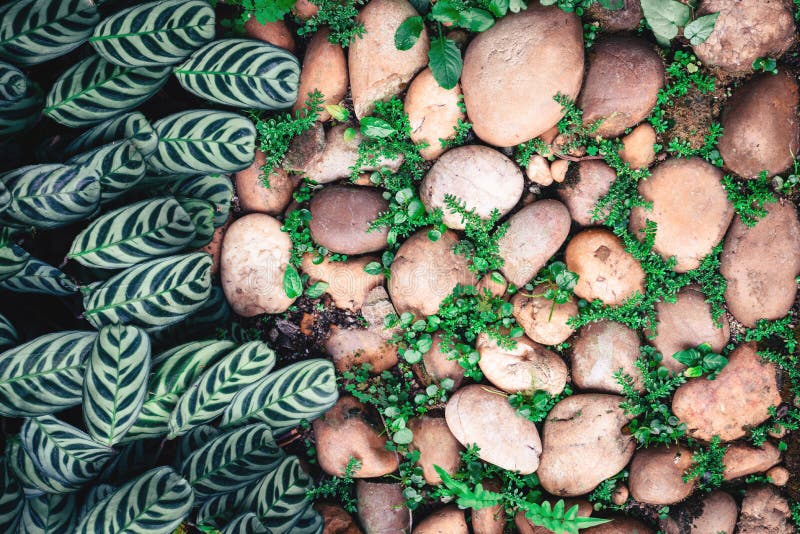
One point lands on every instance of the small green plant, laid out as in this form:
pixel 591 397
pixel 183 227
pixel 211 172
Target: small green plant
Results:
pixel 602 496
pixel 559 284
pixel 481 246
pixel 535 406
pixel 667 17
pixel 749 197
pixel 707 467
pixel 341 489
pixel 700 361
pixel 765 64
pixel 684 74
pixel 339 16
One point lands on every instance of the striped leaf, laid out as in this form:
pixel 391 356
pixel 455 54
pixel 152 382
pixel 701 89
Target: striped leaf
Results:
pixel 34 482
pixel 5 198
pixel 49 514
pixel 153 294
pixel 175 370
pixel 247 523
pixel 310 522
pixel 39 277
pixel 156 503
pixel 61 451
pixel 304 390
pixel 215 312
pixel 203 141
pixel 96 493
pixel 13 83
pixel 243 73
pixel 8 334
pixel 120 166
pixel 11 498
pixel 212 393
pixel 132 126
pixel 44 375
pixel 12 259
pixel 116 382
pixel 34 31
pixel 232 461
pixel 19 115
pixel 94 90
pixel 214 188
pixel 132 460
pixel 139 232
pixel 281 496
pixel 202 215
pixel 191 441
pixel 154 33
pixel 220 510
pixel 51 195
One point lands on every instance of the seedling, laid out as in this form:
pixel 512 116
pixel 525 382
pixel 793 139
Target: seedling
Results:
pixel 559 285
pixel 700 361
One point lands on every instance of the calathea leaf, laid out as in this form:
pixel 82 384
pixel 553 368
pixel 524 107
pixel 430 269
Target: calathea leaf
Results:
pixel 231 461
pixel 203 141
pixel 218 511
pixel 51 195
pixel 154 33
pixel 191 441
pixel 247 523
pixel 8 334
pixel 61 451
pixel 132 460
pixel 96 493
pixel 303 390
pixel 11 498
pixel 13 83
pixel 281 496
pixel 21 114
pixel 49 514
pixel 243 73
pixel 115 386
pixel 94 90
pixel 34 31
pixel 132 126
pixel 214 188
pixel 44 375
pixel 213 392
pixel 120 165
pixel 39 277
pixel 156 503
pixel 5 198
pixel 215 311
pixel 153 294
pixel 202 215
pixel 309 522
pixel 175 370
pixel 133 234
pixel 34 482
pixel 12 259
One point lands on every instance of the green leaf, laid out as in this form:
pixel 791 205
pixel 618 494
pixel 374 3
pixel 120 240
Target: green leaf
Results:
pixel 132 126
pixel 49 514
pixel 156 503
pixel 8 334
pixel 316 290
pixel 44 375
pixel 665 17
pixel 154 33
pixel 693 372
pixel 498 7
pixel 131 460
pixel 338 112
pixel 408 33
pixel 476 20
pixel 51 195
pixel 714 362
pixel 374 268
pixel 219 510
pixel 61 451
pixel 19 115
pixel 12 260
pixel 303 390
pixel 203 141
pixel 213 392
pixel 281 496
pixel 120 164
pixel 515 6
pixel 202 215
pixel 214 312
pixel 39 277
pixel 35 31
pixel 292 284
pixel 214 188
pixel 700 28
pixel 133 234
pixel 687 357
pixel 193 440
pixel 445 62
pixel 11 498
pixel 153 294
pixel 115 386
pixel 611 5
pixel 96 493
pixel 445 12
pixel 94 90
pixel 247 523
pixel 403 436
pixel 349 134
pixel 33 481
pixel 13 83
pixel 376 128
pixel 243 73
pixel 231 461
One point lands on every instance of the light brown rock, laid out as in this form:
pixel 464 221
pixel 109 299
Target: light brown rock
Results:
pixel 744 31
pixel 778 476
pixel 276 33
pixel 526 368
pixel 351 347
pixel 436 365
pixel 378 70
pixel 737 399
pixel 513 70
pixel 764 511
pixel 741 459
pixel 494 283
pixel 490 520
pixel 690 208
pixel 656 475
pixel 481 177
pixel 544 321
pixel 376 307
pixel 341 217
pixel 214 247
pixel 305 9
pixel 558 170
pixel 348 283
pixel 436 446
pixel 620 525
pixel 717 514
pixel 325 70
pixel 448 520
pixel 347 431
pixel 255 254
pixel 433 113
pixel 424 272
pixel 538 171
pixel 600 350
pixel 482 416
pixel 534 234
pixel 605 269
pixel 614 20
pixel 581 192
pixel 637 147
pixel 584 444
pixel 381 508
pixel 621 84
pixel 685 324
pixel 760 265
pixel 620 495
pixel 254 196
pixel 336 519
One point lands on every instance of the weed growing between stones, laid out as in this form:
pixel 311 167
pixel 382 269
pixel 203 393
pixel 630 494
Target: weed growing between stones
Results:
pixel 707 467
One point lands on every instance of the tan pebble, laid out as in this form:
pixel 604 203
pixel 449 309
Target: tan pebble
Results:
pixel 779 475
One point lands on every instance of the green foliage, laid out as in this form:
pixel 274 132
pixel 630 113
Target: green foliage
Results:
pixel 749 197
pixel 707 467
pixel 765 64
pixel 603 494
pixel 120 165
pixel 13 83
pixel 339 16
pixel 481 246
pixel 340 489
pixel 132 126
pixel 535 406
pixel 700 361
pixel 684 75
pixel 38 277
pixel 559 284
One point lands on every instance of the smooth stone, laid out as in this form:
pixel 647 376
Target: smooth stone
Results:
pixel 254 196
pixel 349 284
pixel 637 147
pixel 764 511
pixel 601 349
pixel 656 475
pixel 382 508
pixel 717 514
pixel 341 217
pixel 352 347
pixel 620 525
pixel 538 171
pixel 436 446
pixel 214 247
pixel 324 70
pixel 447 520
pixel 528 367
pixel 433 113
pixel 581 193
pixel 437 365
pixel 741 459
pixel 544 321
pixel 276 33
pixel 336 519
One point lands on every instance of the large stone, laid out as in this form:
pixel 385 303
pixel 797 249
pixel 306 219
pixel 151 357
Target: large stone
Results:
pixel 600 350
pixel 381 508
pixel 513 70
pixel 341 217
pixel 336 519
pixel 737 399
pixel 717 514
pixel 638 146
pixel 433 113
pixel 349 284
pixel 378 70
pixel 764 511
pixel 324 70
pixel 621 525
pixel 255 196
pixel 436 446
pixel 656 475
pixel 527 367
pixel 581 192
pixel 741 459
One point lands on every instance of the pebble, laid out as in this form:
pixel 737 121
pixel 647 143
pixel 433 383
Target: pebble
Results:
pixel 341 217
pixel 433 113
pixel 544 321
pixel 325 70
pixel 527 367
pixel 656 475
pixel 600 349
